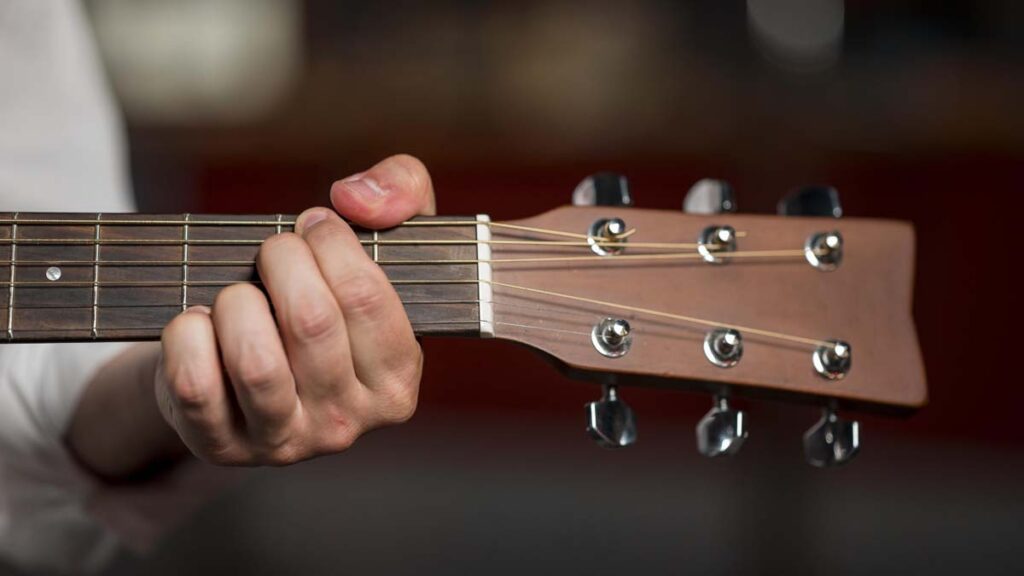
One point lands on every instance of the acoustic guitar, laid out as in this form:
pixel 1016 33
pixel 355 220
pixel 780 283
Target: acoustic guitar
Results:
pixel 815 309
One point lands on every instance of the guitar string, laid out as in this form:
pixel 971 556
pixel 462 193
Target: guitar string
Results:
pixel 592 258
pixel 177 304
pixel 590 242
pixel 648 311
pixel 143 330
pixel 635 309
pixel 281 223
pixel 257 242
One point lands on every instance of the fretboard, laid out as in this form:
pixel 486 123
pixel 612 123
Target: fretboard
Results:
pixel 93 277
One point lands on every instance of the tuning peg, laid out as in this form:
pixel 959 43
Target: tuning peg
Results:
pixel 610 421
pixel 603 189
pixel 832 441
pixel 709 196
pixel 811 201
pixel 722 431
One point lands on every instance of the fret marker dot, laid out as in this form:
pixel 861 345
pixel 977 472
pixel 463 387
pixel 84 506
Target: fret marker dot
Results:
pixel 53 273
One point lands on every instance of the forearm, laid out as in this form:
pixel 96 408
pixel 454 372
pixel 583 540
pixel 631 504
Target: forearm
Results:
pixel 117 431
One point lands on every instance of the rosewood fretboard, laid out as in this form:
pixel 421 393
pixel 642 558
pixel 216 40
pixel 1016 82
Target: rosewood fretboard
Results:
pixel 85 277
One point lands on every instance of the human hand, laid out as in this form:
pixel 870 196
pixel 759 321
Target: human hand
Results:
pixel 244 387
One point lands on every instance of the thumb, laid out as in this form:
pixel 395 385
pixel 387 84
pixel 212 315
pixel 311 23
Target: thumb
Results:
pixel 387 194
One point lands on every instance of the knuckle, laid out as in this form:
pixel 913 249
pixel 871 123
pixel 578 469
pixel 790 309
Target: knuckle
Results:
pixel 401 397
pixel 224 455
pixel 339 429
pixel 401 405
pixel 340 437
pixel 191 391
pixel 257 372
pixel 313 321
pixel 282 456
pixel 340 442
pixel 362 293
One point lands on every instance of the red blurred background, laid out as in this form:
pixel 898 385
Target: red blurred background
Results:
pixel 911 109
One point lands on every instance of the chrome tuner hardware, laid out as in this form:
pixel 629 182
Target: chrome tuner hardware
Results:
pixel 723 347
pixel 611 337
pixel 832 441
pixel 715 240
pixel 832 361
pixel 603 189
pixel 811 201
pixel 607 236
pixel 722 431
pixel 824 250
pixel 709 196
pixel 610 421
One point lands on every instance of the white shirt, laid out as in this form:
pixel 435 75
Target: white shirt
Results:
pixel 61 149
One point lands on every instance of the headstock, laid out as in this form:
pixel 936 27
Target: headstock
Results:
pixel 813 309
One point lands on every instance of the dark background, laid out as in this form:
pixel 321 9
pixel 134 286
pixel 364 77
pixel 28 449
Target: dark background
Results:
pixel 911 109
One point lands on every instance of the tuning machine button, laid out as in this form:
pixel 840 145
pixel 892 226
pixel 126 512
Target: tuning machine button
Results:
pixel 709 196
pixel 811 201
pixel 603 189
pixel 832 441
pixel 722 431
pixel 610 421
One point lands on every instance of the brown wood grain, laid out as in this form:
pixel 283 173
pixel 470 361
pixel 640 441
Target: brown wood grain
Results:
pixel 865 302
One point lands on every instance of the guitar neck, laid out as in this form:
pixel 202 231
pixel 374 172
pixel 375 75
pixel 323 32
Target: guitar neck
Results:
pixel 101 277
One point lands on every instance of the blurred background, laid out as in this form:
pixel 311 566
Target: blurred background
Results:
pixel 911 109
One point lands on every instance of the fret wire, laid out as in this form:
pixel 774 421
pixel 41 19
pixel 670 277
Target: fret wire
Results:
pixel 96 280
pixel 279 221
pixel 11 286
pixel 184 266
pixel 376 246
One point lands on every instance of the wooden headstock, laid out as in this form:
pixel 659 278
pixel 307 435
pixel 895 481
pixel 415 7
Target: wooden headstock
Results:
pixel 550 296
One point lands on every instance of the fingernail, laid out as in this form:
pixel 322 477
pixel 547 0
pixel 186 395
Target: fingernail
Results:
pixel 364 188
pixel 198 309
pixel 308 220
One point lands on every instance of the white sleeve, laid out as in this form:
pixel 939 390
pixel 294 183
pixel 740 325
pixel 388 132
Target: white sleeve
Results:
pixel 53 514
pixel 61 150
pixel 43 493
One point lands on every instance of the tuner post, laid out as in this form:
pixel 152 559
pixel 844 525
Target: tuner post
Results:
pixel 714 241
pixel 824 250
pixel 723 347
pixel 612 337
pixel 833 359
pixel 607 236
